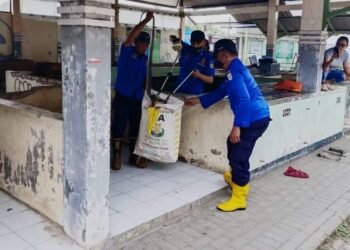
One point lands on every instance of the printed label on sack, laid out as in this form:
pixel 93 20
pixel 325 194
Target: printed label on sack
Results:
pixel 158 130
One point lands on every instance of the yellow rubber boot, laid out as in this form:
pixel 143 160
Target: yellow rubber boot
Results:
pixel 238 199
pixel 228 179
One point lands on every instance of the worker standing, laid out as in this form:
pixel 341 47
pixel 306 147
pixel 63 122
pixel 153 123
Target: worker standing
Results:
pixel 252 118
pixel 197 59
pixel 129 88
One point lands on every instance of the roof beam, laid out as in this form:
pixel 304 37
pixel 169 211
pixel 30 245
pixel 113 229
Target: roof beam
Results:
pixel 232 10
pixel 289 7
pixel 239 9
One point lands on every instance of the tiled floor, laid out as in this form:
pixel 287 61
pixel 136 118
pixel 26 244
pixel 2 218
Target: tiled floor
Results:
pixel 22 228
pixel 140 195
pixel 136 196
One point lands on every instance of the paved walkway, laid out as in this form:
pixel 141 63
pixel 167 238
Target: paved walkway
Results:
pixel 283 212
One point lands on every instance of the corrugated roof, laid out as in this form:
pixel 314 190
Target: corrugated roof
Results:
pixel 291 25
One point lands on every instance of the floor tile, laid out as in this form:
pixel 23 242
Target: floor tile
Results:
pixel 122 202
pixel 164 172
pixel 127 186
pixel 116 177
pixel 59 243
pixel 183 179
pixel 165 186
pixel 113 192
pixel 13 242
pixel 143 213
pixel 4 229
pixel 39 233
pixel 167 203
pixel 4 197
pixel 120 223
pixel 22 220
pixel 145 194
pixel 11 207
pixel 195 191
pixel 146 179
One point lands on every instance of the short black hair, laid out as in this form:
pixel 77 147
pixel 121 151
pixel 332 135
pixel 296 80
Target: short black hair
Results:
pixel 343 38
pixel 143 37
pixel 225 45
pixel 197 36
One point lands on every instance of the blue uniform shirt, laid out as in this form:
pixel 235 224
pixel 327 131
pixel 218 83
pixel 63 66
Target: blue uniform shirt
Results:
pixel 246 100
pixel 132 71
pixel 191 60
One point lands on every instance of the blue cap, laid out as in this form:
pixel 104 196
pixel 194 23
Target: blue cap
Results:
pixel 143 37
pixel 225 44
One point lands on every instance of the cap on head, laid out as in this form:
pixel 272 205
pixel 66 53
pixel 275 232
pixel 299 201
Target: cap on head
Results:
pixel 197 36
pixel 225 44
pixel 143 37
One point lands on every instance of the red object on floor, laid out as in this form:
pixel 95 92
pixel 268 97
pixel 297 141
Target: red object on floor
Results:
pixel 292 172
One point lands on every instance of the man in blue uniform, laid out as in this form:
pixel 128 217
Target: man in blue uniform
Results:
pixel 129 88
pixel 195 58
pixel 252 118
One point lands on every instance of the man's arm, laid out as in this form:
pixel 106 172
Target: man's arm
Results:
pixel 204 78
pixel 328 59
pixel 241 94
pixel 137 29
pixel 346 66
pixel 208 99
pixel 208 76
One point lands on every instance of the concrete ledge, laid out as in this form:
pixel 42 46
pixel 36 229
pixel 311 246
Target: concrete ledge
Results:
pixel 298 124
pixel 140 231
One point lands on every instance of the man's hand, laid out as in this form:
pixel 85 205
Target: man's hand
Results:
pixel 235 135
pixel 192 101
pixel 335 56
pixel 196 74
pixel 174 39
pixel 149 16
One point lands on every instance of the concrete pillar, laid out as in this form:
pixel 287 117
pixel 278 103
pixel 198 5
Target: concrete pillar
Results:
pixel 17 29
pixel 312 44
pixel 86 80
pixel 272 24
pixel 182 20
pixel 116 33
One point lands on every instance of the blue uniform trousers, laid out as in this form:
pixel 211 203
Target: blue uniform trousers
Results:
pixel 239 154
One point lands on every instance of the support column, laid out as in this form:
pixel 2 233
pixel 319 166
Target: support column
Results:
pixel 17 29
pixel 272 25
pixel 86 79
pixel 182 20
pixel 312 44
pixel 116 33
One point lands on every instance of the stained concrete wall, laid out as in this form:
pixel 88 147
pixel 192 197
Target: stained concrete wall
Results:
pixel 297 124
pixel 39 48
pixel 39 38
pixel 31 152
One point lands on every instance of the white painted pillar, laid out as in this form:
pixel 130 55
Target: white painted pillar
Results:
pixel 272 24
pixel 312 44
pixel 86 83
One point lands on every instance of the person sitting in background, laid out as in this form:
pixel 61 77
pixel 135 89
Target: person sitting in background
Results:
pixel 336 66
